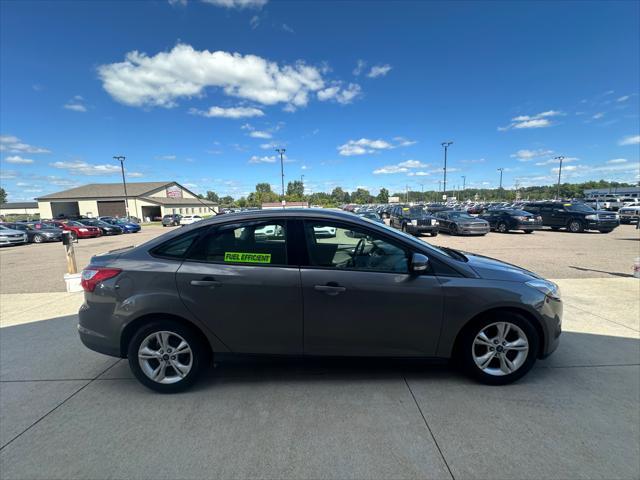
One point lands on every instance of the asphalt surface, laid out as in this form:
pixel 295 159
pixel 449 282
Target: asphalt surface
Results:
pixel 69 413
pixel 40 268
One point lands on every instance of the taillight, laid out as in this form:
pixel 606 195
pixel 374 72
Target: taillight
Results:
pixel 92 276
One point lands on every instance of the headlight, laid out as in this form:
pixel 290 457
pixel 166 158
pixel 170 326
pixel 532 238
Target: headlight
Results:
pixel 2 237
pixel 550 289
pixel 591 217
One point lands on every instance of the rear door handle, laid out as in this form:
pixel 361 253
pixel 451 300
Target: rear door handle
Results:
pixel 330 289
pixel 205 283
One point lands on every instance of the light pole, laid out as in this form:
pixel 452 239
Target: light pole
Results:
pixel 446 146
pixel 407 192
pixel 500 170
pixel 121 158
pixel 560 158
pixel 302 182
pixel 281 152
pixel 464 183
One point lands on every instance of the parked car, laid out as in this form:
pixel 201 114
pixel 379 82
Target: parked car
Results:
pixel 574 216
pixel 189 219
pixel 171 220
pixel 376 293
pixel 126 225
pixel 460 223
pixel 510 219
pixel 77 229
pixel 629 214
pixel 105 228
pixel 373 216
pixel 37 235
pixel 413 220
pixel 9 236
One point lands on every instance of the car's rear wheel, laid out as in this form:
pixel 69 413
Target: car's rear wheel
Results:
pixel 38 238
pixel 167 356
pixel 434 233
pixel 576 226
pixel 499 349
pixel 606 231
pixel 454 229
pixel 502 227
pixel 528 231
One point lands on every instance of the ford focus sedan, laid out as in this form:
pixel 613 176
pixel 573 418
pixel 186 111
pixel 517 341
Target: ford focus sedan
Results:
pixel 224 285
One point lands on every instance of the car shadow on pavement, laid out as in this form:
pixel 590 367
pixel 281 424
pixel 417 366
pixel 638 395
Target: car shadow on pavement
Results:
pixel 615 274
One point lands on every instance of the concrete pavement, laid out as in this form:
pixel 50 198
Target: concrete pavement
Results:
pixel 66 412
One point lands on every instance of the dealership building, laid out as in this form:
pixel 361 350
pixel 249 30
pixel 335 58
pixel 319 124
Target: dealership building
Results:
pixel 145 200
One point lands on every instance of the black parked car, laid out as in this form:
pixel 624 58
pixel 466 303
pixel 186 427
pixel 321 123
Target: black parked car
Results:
pixel 511 219
pixel 105 228
pixel 413 220
pixel 40 234
pixel 461 223
pixel 171 220
pixel 575 217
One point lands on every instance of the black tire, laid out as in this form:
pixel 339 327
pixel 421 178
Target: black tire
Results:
pixel 555 229
pixel 404 228
pixel 37 238
pixel 528 231
pixel 453 229
pixel 200 355
pixel 434 234
pixel 502 227
pixel 605 231
pixel 465 348
pixel 575 226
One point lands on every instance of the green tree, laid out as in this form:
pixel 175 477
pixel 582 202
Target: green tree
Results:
pixel 295 190
pixel 263 194
pixel 263 188
pixel 226 200
pixel 3 195
pixel 340 196
pixel 361 196
pixel 242 202
pixel 212 196
pixel 383 196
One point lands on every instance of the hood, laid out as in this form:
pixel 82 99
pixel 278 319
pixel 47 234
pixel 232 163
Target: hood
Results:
pixel 11 231
pixel 492 269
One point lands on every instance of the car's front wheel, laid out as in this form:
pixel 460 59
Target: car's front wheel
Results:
pixel 576 226
pixel 502 227
pixel 167 356
pixel 37 238
pixel 499 349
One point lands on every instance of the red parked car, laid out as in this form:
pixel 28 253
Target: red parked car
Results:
pixel 77 229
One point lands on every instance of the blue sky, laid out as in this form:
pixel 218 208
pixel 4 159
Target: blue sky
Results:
pixel 359 93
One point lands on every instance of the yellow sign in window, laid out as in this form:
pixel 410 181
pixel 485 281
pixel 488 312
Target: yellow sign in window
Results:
pixel 244 257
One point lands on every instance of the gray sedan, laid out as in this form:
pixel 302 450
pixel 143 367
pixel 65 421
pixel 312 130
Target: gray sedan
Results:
pixel 218 286
pixel 461 223
pixel 9 236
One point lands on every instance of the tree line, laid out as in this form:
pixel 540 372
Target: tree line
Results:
pixel 339 196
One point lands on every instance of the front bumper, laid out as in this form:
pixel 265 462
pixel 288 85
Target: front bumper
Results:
pixel 602 225
pixel 416 229
pixel 13 241
pixel 528 226
pixel 473 229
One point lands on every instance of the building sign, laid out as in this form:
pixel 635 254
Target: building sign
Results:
pixel 174 192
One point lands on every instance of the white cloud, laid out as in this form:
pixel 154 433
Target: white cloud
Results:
pixel 366 146
pixel 13 144
pixel 390 169
pixel 166 157
pixel 233 112
pixel 339 94
pixel 598 115
pixel 18 159
pixel 178 2
pixel 539 120
pixel 413 164
pixel 184 72
pixel 269 146
pixel 254 22
pixel 363 146
pixel 526 155
pixel 260 134
pixel 83 168
pixel 630 140
pixel 568 168
pixel 617 160
pixel 624 98
pixel 474 160
pixel 360 66
pixel 418 174
pixel 239 4
pixel 379 71
pixel 76 104
pixel 266 159
pixel 287 28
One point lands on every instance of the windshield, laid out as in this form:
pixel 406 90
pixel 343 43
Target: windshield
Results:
pixel 461 215
pixel 414 212
pixel 578 207
pixel 519 213
pixel 415 241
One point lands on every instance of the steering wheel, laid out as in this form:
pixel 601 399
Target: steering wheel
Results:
pixel 359 250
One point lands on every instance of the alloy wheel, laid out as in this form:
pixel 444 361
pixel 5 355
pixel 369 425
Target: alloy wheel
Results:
pixel 38 239
pixel 500 349
pixel 165 357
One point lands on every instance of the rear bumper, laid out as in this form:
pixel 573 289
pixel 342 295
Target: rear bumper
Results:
pixel 97 329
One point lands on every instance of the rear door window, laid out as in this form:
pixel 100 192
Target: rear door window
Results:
pixel 252 243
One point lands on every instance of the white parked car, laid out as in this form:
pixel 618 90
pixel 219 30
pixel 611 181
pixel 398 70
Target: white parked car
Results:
pixel 189 219
pixel 629 214
pixel 9 236
pixel 324 231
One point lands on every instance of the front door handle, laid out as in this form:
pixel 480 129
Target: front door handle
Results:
pixel 205 283
pixel 330 289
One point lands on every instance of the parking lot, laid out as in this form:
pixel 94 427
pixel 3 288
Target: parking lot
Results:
pixel 67 412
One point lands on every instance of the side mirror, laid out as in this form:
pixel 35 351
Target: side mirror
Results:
pixel 419 262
